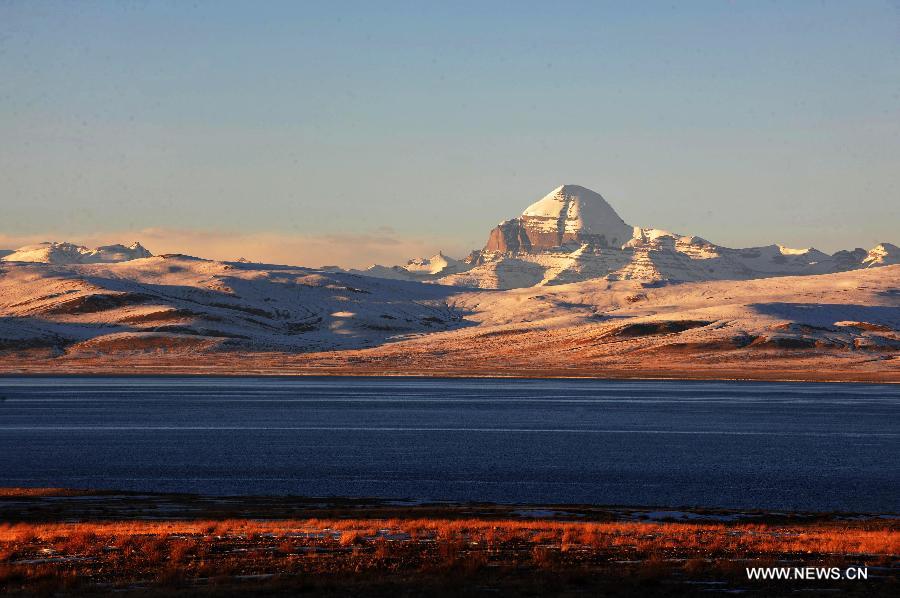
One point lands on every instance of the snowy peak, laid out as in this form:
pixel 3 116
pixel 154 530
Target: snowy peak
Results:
pixel 421 268
pixel 884 254
pixel 436 264
pixel 577 210
pixel 122 253
pixel 570 214
pixel 69 253
pixel 810 253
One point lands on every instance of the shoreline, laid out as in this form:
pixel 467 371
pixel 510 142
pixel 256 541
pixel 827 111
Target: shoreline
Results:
pixel 22 503
pixel 773 375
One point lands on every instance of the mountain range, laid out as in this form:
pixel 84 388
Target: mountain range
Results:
pixel 567 288
pixel 572 234
pixel 50 252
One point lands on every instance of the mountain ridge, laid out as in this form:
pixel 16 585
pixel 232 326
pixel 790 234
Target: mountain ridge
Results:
pixel 52 252
pixel 573 234
pixel 569 235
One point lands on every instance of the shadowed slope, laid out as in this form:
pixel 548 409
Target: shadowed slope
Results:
pixel 176 301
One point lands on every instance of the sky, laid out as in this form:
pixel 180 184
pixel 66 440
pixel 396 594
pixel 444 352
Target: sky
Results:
pixel 353 132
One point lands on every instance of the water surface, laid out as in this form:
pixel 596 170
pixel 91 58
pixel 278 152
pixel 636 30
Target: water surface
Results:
pixel 805 446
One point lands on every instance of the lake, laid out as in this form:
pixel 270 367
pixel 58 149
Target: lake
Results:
pixel 796 446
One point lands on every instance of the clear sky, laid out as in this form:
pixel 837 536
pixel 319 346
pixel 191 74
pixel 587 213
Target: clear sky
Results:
pixel 285 130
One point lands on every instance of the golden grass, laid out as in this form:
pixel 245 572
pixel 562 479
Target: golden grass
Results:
pixel 53 557
pixel 643 537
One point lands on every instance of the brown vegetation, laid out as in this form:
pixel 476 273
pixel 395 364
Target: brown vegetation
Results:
pixel 156 555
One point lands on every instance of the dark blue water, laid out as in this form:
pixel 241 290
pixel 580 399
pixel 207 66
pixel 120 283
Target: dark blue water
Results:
pixel 721 444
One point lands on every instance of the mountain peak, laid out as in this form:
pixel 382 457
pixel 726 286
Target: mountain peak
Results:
pixel 566 195
pixel 435 264
pixel 51 252
pixel 882 254
pixel 568 214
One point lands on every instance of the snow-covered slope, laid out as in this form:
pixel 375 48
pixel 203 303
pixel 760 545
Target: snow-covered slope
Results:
pixel 815 325
pixel 193 314
pixel 171 302
pixel 572 234
pixel 68 253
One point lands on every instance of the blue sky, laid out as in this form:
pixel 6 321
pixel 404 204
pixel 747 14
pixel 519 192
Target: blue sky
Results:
pixel 420 125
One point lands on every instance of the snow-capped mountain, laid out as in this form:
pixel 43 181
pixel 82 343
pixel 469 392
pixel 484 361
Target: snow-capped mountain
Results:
pixel 567 216
pixel 68 253
pixel 436 264
pixel 422 268
pixel 884 254
pixel 573 234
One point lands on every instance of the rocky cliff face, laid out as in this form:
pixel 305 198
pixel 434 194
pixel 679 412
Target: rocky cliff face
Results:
pixel 509 237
